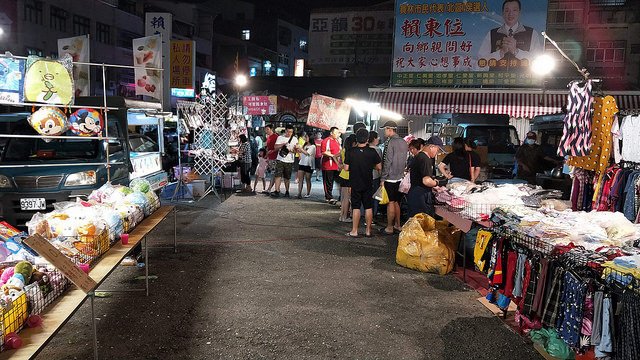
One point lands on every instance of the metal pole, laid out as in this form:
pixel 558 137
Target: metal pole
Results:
pixel 95 327
pixel 146 264
pixel 175 230
pixel 106 120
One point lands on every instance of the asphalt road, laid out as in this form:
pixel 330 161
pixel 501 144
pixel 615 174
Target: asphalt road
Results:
pixel 256 277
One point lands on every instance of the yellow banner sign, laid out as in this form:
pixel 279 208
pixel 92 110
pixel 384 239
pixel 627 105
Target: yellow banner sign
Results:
pixel 182 63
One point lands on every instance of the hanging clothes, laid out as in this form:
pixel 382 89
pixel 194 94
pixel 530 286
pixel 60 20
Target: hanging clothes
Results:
pixel 581 188
pixel 576 133
pixel 628 338
pixel 569 322
pixel 630 135
pixel 601 148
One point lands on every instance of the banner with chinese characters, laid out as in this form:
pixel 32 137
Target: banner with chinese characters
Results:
pixel 147 54
pixel 490 42
pixel 161 24
pixel 182 64
pixel 260 105
pixel 326 112
pixel 78 48
pixel 350 37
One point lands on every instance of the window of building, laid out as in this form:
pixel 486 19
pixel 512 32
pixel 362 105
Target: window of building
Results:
pixel 246 34
pixel 606 16
pixel 634 49
pixel 284 36
pixel 35 51
pixel 283 59
pixel 103 33
pixel 573 49
pixel 608 2
pixel 81 25
pixel 125 39
pixel 58 19
pixel 184 29
pixel 606 51
pixel 33 12
pixel 303 45
pixel 127 6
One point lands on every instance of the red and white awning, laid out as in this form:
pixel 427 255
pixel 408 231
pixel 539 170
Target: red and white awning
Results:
pixel 516 102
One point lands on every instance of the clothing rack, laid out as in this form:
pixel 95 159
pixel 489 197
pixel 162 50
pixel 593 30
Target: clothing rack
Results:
pixel 629 165
pixel 634 112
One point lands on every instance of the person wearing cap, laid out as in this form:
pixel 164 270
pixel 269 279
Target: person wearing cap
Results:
pixel 360 161
pixel 459 163
pixel 531 159
pixel 330 153
pixel 420 197
pixel 394 161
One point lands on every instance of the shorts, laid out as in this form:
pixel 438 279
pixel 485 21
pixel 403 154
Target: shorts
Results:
pixel 362 198
pixel 283 169
pixel 305 168
pixel 342 181
pixel 271 165
pixel 392 190
pixel 319 163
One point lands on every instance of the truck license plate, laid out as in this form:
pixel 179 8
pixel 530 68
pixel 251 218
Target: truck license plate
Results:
pixel 33 204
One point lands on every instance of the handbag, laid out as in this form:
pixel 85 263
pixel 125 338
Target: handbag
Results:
pixel 405 184
pixel 284 151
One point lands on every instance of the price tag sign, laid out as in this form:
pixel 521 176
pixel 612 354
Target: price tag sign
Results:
pixel 61 262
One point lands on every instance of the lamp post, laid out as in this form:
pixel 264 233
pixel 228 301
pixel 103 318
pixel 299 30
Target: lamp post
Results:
pixel 240 82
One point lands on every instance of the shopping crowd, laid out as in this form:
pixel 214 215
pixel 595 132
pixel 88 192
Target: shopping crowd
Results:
pixel 365 174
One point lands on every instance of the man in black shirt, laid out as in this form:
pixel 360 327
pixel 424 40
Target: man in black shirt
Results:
pixel 420 197
pixel 360 162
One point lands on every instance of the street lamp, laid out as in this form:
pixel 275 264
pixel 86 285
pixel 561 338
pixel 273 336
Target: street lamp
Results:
pixel 240 82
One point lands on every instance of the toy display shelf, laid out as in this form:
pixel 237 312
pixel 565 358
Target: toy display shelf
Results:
pixel 58 313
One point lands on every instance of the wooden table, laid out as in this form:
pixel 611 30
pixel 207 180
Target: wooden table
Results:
pixel 60 311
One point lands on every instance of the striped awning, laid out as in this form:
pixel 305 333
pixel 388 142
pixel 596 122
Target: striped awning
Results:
pixel 516 103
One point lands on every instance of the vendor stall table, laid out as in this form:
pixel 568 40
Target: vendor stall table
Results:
pixel 464 225
pixel 58 313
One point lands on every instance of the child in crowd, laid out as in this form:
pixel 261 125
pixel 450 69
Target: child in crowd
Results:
pixel 263 162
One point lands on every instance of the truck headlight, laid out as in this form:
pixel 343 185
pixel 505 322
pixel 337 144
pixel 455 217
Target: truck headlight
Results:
pixel 5 182
pixel 81 178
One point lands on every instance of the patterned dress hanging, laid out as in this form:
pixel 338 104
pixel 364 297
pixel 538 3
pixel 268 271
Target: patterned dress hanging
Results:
pixel 576 134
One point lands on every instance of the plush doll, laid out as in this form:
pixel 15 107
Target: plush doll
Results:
pixel 41 277
pixel 49 81
pixel 49 120
pixel 86 122
pixel 21 276
pixel 6 275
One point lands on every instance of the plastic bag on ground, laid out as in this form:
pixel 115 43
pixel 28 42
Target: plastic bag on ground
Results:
pixel 427 245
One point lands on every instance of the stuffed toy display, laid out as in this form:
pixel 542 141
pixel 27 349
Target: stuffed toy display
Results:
pixel 49 81
pixel 49 121
pixel 86 122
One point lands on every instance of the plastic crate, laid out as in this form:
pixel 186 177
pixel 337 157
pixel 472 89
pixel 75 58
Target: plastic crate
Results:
pixel 14 316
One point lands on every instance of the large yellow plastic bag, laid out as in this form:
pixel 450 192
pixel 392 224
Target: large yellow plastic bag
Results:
pixel 427 245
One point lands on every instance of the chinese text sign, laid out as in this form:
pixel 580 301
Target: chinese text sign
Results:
pixel 489 42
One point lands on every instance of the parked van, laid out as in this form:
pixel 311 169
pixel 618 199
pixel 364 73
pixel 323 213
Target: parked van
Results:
pixel 496 140
pixel 35 174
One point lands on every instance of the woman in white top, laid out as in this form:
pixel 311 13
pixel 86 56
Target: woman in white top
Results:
pixel 307 164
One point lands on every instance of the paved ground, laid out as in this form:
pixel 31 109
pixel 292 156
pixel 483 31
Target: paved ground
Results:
pixel 256 277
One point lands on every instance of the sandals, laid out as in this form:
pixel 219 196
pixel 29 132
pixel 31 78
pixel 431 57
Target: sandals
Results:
pixel 368 235
pixel 383 231
pixel 353 236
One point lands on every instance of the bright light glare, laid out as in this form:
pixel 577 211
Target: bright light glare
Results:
pixel 543 64
pixel 362 106
pixel 241 80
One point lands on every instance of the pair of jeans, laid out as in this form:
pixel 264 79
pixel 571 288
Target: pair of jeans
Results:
pixel 245 168
pixel 420 200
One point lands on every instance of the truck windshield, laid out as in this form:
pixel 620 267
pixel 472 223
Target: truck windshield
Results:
pixel 498 139
pixel 30 149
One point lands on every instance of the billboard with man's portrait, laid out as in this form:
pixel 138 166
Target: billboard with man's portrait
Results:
pixel 491 42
